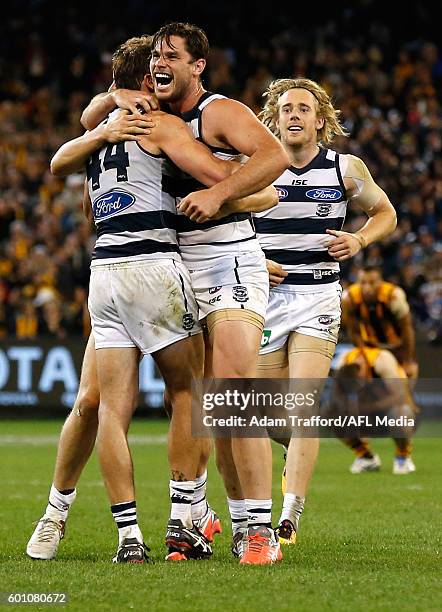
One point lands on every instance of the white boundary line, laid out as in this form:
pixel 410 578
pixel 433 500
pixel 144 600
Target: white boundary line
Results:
pixel 52 440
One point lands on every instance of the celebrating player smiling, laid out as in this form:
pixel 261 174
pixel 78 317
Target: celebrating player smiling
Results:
pixel 303 239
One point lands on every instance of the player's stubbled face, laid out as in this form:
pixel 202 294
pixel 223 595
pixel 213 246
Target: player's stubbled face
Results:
pixel 171 69
pixel 370 283
pixel 297 118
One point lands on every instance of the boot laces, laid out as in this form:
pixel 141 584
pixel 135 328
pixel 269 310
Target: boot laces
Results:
pixel 48 529
pixel 256 542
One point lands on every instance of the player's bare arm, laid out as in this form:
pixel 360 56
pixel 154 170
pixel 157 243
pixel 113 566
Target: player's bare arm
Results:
pixel 87 204
pixel 408 336
pixel 362 189
pixel 230 124
pixel 387 368
pixel 401 310
pixel 73 155
pixel 257 202
pixel 349 320
pixel 103 104
pixel 174 138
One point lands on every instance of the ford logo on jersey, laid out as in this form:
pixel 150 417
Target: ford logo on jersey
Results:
pixel 282 193
pixel 111 203
pixel 327 195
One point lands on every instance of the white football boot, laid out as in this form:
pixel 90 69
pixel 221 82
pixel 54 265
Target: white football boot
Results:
pixel 46 538
pixel 363 464
pixel 403 465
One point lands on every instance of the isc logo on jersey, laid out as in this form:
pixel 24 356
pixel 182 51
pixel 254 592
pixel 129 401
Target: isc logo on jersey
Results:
pixel 111 203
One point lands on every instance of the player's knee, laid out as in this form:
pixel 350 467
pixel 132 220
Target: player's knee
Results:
pixel 167 403
pixel 88 402
pixel 180 397
pixel 180 381
pixel 227 364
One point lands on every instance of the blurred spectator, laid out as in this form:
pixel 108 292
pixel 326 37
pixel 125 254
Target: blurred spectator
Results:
pixel 52 324
pixel 6 313
pixel 26 319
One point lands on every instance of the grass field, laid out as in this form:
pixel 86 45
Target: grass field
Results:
pixel 368 542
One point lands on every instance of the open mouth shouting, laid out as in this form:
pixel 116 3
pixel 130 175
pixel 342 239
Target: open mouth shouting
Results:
pixel 163 80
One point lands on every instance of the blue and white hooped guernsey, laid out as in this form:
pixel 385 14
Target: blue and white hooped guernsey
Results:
pixel 201 244
pixel 293 233
pixel 134 217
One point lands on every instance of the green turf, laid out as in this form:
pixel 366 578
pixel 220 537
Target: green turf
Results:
pixel 368 542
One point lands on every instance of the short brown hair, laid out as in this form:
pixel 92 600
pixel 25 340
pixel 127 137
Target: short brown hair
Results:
pixel 130 62
pixel 368 269
pixel 332 126
pixel 346 379
pixel 196 39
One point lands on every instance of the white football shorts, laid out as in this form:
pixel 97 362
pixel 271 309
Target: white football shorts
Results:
pixel 148 304
pixel 233 282
pixel 316 313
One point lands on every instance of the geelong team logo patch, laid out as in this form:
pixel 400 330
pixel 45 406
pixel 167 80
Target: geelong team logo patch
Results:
pixel 240 293
pixel 188 321
pixel 111 203
pixel 323 209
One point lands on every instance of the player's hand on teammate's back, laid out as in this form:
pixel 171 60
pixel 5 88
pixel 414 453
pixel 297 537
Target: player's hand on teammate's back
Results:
pixel 128 126
pixel 276 273
pixel 134 101
pixel 200 205
pixel 344 246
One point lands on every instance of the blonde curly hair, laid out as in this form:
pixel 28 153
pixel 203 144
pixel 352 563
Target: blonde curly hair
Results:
pixel 325 109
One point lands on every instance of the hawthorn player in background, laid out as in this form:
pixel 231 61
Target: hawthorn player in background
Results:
pixel 394 398
pixel 303 241
pixel 376 314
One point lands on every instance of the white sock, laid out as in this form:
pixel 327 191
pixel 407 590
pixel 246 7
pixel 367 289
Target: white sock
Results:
pixel 292 508
pixel 238 514
pixel 59 504
pixel 181 496
pixel 259 512
pixel 133 531
pixel 199 503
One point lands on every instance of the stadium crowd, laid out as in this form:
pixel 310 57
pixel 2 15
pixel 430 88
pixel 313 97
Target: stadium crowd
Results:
pixel 389 91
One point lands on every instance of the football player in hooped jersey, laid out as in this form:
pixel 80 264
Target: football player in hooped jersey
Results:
pixel 224 258
pixel 140 300
pixel 304 243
